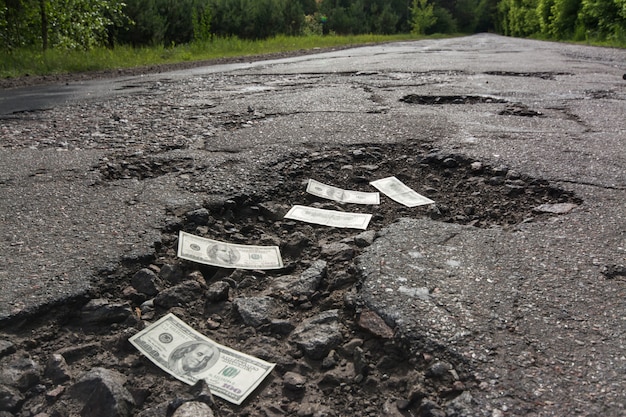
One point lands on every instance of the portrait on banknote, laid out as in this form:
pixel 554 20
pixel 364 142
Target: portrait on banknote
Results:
pixel 192 358
pixel 220 252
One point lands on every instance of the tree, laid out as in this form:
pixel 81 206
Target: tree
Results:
pixel 445 22
pixel 486 15
pixel 564 16
pixel 61 23
pixel 544 14
pixel 466 16
pixel 201 19
pixel 518 17
pixel 600 17
pixel 422 16
pixel 386 22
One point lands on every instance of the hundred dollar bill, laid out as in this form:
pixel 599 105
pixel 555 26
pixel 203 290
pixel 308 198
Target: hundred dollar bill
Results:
pixel 329 217
pixel 338 194
pixel 227 255
pixel 398 191
pixel 189 356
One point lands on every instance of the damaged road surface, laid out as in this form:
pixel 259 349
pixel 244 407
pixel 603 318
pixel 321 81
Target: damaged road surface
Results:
pixel 504 297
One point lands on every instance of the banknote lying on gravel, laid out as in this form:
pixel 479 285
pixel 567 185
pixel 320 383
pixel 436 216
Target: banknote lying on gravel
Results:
pixel 189 356
pixel 340 195
pixel 227 255
pixel 331 218
pixel 398 191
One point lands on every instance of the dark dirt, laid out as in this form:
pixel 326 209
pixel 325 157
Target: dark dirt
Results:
pixel 387 377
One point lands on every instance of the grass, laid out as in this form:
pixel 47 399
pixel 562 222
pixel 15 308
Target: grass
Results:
pixel 23 62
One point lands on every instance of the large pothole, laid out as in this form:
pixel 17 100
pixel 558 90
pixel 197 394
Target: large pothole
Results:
pixel 449 99
pixel 369 371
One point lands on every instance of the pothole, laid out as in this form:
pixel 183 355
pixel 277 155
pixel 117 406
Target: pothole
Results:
pixel 602 94
pixel 367 370
pixel 465 191
pixel 545 75
pixel 453 99
pixel 519 110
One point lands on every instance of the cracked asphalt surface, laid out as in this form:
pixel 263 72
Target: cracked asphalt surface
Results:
pixel 537 309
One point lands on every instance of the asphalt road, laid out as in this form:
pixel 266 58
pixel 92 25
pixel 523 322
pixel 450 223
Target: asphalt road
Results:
pixel 539 309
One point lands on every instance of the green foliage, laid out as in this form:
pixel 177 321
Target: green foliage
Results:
pixel 466 15
pixel 201 20
pixel 563 19
pixel 518 17
pixel 86 24
pixel 445 23
pixel 603 16
pixel 65 24
pixel 365 16
pixel 33 61
pixel 81 24
pixel 544 14
pixel 422 16
pixel 256 19
pixel 312 25
pixel 486 12
pixel 386 21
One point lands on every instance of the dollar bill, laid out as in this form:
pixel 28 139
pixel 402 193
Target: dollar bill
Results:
pixel 329 217
pixel 338 194
pixel 398 191
pixel 189 356
pixel 227 255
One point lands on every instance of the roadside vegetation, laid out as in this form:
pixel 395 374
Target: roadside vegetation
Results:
pixel 29 61
pixel 44 36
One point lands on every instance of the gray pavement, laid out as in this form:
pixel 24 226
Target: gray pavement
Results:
pixel 529 307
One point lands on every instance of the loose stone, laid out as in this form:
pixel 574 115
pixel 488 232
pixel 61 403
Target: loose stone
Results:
pixel 101 311
pixel 193 409
pixel 10 398
pixel 294 382
pixel 57 369
pixel 373 323
pixel 318 335
pixel 178 295
pixel 255 311
pixel 102 393
pixel 145 281
pixel 22 373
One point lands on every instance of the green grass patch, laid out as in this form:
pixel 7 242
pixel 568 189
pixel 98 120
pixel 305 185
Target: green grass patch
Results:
pixel 23 62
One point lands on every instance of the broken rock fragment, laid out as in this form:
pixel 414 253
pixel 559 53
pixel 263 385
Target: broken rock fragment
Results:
pixel 193 409
pixel 365 239
pixel 217 291
pixel 178 295
pixel 305 284
pixel 373 323
pixel 318 335
pixel 337 251
pixel 101 311
pixel 255 311
pixel 145 282
pixel 103 394
pixel 294 382
pixel 21 373
pixel 6 348
pixel 57 369
pixel 10 398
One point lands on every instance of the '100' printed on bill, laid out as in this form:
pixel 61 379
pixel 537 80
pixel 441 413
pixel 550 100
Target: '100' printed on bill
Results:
pixel 189 356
